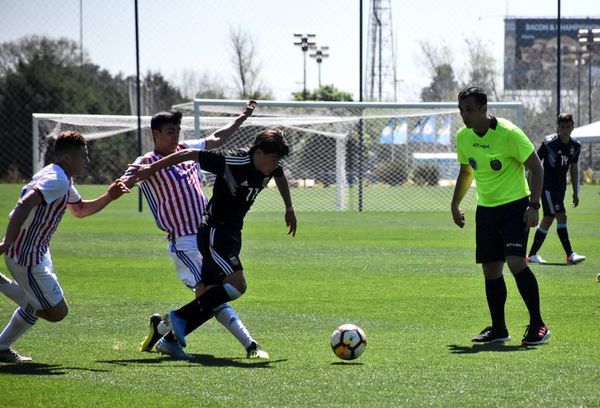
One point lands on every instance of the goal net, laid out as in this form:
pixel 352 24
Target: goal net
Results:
pixel 345 156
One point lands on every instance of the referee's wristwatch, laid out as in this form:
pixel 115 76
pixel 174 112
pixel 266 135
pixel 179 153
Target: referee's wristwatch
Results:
pixel 534 205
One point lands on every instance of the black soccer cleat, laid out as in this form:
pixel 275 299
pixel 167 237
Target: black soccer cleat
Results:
pixel 153 334
pixel 491 335
pixel 535 335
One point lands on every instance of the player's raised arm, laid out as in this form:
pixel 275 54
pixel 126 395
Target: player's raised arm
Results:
pixel 218 138
pixel 85 208
pixel 290 215
pixel 141 172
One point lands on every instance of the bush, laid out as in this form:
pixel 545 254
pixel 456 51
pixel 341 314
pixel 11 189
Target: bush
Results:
pixel 391 172
pixel 427 175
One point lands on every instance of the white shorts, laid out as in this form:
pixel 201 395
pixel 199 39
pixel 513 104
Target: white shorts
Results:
pixel 187 259
pixel 39 282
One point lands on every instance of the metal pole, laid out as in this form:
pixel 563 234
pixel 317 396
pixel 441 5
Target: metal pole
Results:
pixel 360 97
pixel 578 88
pixel 558 34
pixel 304 89
pixel 590 84
pixel 138 94
pixel 80 33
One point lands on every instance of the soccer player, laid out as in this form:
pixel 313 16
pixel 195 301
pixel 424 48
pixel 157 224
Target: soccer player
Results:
pixel 25 246
pixel 178 204
pixel 495 153
pixel 241 175
pixel 559 153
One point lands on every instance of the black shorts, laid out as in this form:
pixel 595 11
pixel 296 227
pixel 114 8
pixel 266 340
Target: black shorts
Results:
pixel 553 201
pixel 501 231
pixel 220 248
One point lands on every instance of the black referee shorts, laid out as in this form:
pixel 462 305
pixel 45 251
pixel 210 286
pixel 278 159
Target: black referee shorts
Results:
pixel 501 231
pixel 220 248
pixel 553 201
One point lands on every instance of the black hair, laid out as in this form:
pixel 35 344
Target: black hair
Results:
pixel 67 141
pixel 565 117
pixel 164 118
pixel 271 141
pixel 477 93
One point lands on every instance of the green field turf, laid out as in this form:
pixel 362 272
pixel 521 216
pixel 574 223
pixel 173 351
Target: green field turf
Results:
pixel 408 279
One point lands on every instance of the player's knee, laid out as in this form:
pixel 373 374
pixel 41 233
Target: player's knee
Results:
pixel 54 314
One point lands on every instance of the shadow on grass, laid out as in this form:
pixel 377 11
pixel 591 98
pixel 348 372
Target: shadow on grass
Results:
pixel 200 359
pixel 42 369
pixel 554 264
pixel 479 348
pixel 346 363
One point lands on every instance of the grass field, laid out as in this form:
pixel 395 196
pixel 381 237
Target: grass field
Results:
pixel 408 279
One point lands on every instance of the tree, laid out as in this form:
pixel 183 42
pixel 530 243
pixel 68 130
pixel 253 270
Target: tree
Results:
pixel 39 74
pixel 246 66
pixel 194 84
pixel 324 93
pixel 482 67
pixel 437 61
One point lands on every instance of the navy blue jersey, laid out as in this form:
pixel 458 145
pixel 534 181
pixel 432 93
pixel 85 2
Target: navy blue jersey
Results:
pixel 558 157
pixel 237 184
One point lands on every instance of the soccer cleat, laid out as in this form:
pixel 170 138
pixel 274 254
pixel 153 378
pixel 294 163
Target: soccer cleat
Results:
pixel 172 348
pixel 254 350
pixel 535 258
pixel 11 356
pixel 535 335
pixel 575 259
pixel 153 334
pixel 489 335
pixel 177 327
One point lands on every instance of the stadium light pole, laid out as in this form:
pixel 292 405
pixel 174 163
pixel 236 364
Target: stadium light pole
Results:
pixel 319 55
pixel 304 43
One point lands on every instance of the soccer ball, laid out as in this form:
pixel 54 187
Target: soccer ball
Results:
pixel 348 341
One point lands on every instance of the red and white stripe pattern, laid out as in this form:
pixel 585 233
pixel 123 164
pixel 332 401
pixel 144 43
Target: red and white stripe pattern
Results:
pixel 175 196
pixel 33 238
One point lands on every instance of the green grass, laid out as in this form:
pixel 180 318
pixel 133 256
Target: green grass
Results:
pixel 408 279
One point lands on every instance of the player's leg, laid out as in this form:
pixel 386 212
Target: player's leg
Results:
pixel 12 290
pixel 515 235
pixel 45 299
pixel 488 252
pixel 563 235
pixel 542 230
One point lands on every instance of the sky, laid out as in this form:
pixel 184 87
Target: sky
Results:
pixel 194 35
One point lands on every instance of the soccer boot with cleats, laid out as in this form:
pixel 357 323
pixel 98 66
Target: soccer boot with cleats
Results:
pixel 535 259
pixel 255 351
pixel 171 348
pixel 535 335
pixel 153 335
pixel 11 356
pixel 491 335
pixel 575 259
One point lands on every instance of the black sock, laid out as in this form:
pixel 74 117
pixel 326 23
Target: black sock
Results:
pixel 528 287
pixel 538 240
pixel 563 234
pixel 200 309
pixel 198 321
pixel 495 292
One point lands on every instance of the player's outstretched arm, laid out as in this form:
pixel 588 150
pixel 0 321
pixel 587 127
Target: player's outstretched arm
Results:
pixel 85 208
pixel 139 172
pixel 218 138
pixel 290 215
pixel 463 182
pixel 24 206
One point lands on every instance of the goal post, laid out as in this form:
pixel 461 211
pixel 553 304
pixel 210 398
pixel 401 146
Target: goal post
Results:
pixel 344 156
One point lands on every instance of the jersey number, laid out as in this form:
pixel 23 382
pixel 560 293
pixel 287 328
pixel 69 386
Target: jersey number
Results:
pixel 564 160
pixel 252 193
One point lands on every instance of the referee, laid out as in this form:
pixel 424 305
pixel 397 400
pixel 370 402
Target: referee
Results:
pixel 495 153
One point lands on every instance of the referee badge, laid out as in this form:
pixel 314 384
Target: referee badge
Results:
pixel 495 164
pixel 473 163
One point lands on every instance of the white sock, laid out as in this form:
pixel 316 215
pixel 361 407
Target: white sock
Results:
pixel 229 318
pixel 21 321
pixel 13 291
pixel 162 328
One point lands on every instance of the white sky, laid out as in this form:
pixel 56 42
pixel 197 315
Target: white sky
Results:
pixel 194 34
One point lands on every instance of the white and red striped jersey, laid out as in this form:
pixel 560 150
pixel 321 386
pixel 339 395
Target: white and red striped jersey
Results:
pixel 33 239
pixel 175 194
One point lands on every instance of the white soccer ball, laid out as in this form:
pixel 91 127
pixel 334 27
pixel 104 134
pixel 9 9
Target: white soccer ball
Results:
pixel 598 277
pixel 348 341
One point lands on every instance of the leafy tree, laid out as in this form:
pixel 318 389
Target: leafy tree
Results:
pixel 324 93
pixel 443 87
